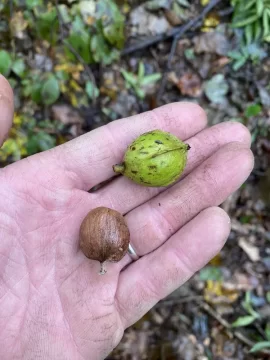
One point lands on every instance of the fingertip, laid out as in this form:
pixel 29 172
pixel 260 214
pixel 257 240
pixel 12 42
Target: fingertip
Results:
pixel 241 132
pixel 220 223
pixel 245 157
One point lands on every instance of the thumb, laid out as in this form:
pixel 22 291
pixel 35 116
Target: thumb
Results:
pixel 6 108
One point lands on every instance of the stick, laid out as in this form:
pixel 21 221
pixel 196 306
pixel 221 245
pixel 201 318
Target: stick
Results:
pixel 181 31
pixel 74 52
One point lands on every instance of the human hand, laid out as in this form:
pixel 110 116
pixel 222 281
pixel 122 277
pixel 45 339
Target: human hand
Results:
pixel 53 302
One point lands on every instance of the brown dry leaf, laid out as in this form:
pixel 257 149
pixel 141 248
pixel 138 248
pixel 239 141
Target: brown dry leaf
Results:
pixel 212 42
pixel 18 25
pixel 172 17
pixel 66 115
pixel 252 251
pixel 241 282
pixel 188 84
pixel 215 293
pixel 220 63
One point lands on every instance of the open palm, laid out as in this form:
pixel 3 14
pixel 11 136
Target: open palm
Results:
pixel 53 302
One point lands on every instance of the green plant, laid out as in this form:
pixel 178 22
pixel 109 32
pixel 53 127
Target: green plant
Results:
pixel 253 16
pixel 28 137
pixel 251 52
pixel 247 319
pixel 139 81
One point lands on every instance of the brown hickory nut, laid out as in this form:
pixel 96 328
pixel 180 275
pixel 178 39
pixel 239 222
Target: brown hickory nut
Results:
pixel 104 236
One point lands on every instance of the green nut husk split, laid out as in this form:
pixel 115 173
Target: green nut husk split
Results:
pixel 154 159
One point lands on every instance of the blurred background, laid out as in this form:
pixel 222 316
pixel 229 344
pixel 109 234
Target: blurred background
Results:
pixel 77 65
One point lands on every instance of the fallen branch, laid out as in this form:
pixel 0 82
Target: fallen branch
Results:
pixel 190 24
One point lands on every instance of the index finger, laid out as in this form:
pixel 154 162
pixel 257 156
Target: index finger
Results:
pixel 91 156
pixel 6 108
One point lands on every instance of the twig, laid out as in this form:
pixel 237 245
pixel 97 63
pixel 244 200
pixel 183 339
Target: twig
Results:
pixel 74 52
pixel 179 301
pixel 176 37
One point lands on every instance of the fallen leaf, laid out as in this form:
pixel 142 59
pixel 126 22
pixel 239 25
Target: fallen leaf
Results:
pixel 212 42
pixel 215 293
pixel 252 251
pixel 188 84
pixel 220 63
pixel 145 23
pixel 172 17
pixel 211 21
pixel 18 25
pixel 216 89
pixel 66 115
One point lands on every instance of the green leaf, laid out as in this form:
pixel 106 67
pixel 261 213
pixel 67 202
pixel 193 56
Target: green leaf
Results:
pixel 249 33
pixel 31 4
pixel 113 22
pixel 140 93
pixel 47 26
pixel 239 63
pixel 129 77
pixel 248 4
pixel 101 51
pixel 211 273
pixel 253 110
pixel 244 321
pixel 257 31
pixel 260 346
pixel 267 331
pixel 150 79
pixel 40 141
pixel 91 90
pixel 50 91
pixel 259 7
pixel 266 23
pixel 80 42
pixel 235 54
pixel 268 296
pixel 64 13
pixel 35 92
pixel 62 75
pixel 189 54
pixel 5 62
pixel 141 71
pixel 18 67
pixel 244 22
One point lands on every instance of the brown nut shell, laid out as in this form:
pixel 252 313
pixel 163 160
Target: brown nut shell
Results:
pixel 104 235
